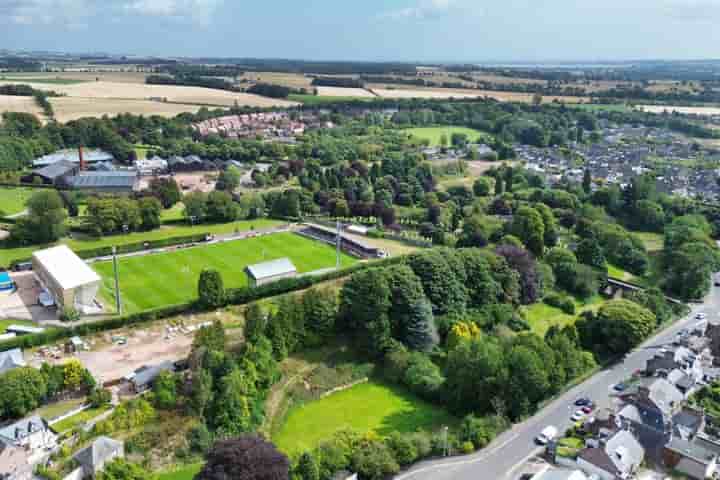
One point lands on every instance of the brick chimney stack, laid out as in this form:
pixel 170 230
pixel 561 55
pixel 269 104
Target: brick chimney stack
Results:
pixel 82 159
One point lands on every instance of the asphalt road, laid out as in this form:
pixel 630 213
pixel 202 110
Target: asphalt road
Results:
pixel 501 459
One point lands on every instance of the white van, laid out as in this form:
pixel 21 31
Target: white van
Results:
pixel 547 435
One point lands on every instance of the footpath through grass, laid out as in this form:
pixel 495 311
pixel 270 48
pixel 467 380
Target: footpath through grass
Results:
pixel 162 279
pixel 366 407
pixel 8 255
pixel 434 134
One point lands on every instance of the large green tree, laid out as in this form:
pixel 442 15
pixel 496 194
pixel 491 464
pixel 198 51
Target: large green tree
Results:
pixel 44 222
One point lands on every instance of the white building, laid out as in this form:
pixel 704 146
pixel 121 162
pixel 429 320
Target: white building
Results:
pixel 68 279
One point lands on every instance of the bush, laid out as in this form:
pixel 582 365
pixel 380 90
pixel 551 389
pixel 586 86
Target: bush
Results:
pixel 69 314
pixel 100 397
pixel 562 302
pixel 467 447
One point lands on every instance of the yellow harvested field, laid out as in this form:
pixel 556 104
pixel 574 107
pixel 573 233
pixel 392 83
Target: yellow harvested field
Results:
pixel 119 77
pixel 10 103
pixel 177 94
pixel 682 110
pixel 343 92
pixel 466 93
pixel 72 108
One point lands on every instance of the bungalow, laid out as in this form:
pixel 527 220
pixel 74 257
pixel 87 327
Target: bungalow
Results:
pixel 100 452
pixel 11 359
pixel 618 458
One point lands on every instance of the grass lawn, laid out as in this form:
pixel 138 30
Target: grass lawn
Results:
pixel 53 410
pixel 187 472
pixel 7 255
pixel 157 280
pixel 6 322
pixel 12 199
pixel 433 134
pixel 542 316
pixel 322 100
pixel 173 213
pixel 365 407
pixel 79 419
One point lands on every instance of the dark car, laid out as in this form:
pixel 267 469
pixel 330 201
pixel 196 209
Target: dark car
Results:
pixel 582 402
pixel 620 387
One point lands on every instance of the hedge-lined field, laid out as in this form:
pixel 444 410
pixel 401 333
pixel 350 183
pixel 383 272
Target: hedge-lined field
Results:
pixel 12 199
pixel 157 280
pixel 368 407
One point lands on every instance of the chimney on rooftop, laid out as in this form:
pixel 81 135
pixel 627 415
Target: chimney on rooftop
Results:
pixel 82 159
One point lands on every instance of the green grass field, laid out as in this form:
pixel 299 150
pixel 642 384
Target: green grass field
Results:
pixel 80 418
pixel 47 80
pixel 6 322
pixel 366 407
pixel 653 241
pixel 318 100
pixel 542 316
pixel 161 279
pixel 79 243
pixel 433 134
pixel 187 472
pixel 12 199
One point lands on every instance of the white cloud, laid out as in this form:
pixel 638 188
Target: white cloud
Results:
pixel 75 12
pixel 422 10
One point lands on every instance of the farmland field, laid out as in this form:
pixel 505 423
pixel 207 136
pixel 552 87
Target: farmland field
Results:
pixel 11 103
pixel 161 279
pixel 387 92
pixel 318 100
pixel 366 407
pixel 76 77
pixel 72 108
pixel 433 134
pixel 683 110
pixel 12 199
pixel 292 80
pixel 343 92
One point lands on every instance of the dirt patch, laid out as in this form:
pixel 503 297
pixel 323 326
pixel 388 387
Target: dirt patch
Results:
pixel 190 182
pixel 343 92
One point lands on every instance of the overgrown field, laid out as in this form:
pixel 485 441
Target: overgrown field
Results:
pixel 368 407
pixel 434 134
pixel 151 281
pixel 542 316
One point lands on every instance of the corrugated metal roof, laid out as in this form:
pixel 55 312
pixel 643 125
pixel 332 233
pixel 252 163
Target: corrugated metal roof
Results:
pixel 104 179
pixel 270 269
pixel 11 359
pixel 55 170
pixel 89 156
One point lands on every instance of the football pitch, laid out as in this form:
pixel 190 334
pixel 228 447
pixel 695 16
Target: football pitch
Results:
pixel 170 278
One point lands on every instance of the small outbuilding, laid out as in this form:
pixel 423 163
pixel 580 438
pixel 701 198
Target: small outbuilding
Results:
pixel 267 272
pixel 70 281
pixel 144 377
pixel 11 359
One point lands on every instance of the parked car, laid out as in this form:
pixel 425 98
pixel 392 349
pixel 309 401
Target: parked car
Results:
pixel 582 401
pixel 588 409
pixel 620 387
pixel 577 416
pixel 547 435
pixel 700 316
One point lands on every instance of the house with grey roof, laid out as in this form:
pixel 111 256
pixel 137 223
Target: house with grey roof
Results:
pixel 31 433
pixel 649 411
pixel 94 457
pixel 691 458
pixel 272 271
pixel 618 457
pixel 11 359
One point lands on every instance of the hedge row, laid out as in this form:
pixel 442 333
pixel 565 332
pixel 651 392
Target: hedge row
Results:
pixel 133 247
pixel 235 296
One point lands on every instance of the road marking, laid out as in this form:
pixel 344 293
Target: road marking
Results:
pixel 482 456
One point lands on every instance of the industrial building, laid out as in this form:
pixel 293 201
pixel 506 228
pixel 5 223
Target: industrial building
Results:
pixel 267 272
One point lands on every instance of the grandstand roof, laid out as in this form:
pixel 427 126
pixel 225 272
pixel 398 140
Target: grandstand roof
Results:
pixel 270 269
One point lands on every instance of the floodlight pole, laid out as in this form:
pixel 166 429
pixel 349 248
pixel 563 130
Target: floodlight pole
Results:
pixel 118 303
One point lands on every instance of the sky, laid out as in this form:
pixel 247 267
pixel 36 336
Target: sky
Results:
pixel 371 30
